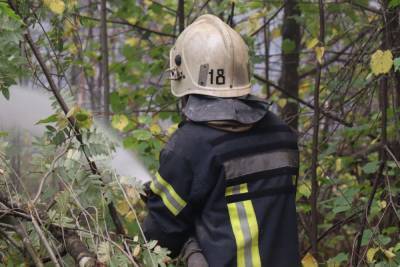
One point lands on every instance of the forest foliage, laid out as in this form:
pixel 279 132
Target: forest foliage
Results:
pixel 330 68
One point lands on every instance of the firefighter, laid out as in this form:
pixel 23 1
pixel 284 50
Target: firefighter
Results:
pixel 228 175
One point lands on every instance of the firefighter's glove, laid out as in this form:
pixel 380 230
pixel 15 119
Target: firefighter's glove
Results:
pixel 192 254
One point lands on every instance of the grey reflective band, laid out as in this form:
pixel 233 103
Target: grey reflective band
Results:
pixel 261 162
pixel 244 225
pixel 235 189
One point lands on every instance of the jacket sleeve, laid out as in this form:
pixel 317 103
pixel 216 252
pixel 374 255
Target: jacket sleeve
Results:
pixel 170 219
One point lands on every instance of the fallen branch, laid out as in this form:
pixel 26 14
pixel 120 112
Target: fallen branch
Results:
pixel 67 237
pixel 20 230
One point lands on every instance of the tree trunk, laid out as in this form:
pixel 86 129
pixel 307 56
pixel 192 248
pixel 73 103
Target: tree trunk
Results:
pixel 266 55
pixel 393 21
pixel 181 15
pixel 290 61
pixel 104 61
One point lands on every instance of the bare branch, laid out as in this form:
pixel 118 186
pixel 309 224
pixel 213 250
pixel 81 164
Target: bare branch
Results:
pixel 326 113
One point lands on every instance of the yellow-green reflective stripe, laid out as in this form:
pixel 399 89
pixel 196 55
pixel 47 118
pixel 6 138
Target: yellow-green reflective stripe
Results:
pixel 171 190
pixel 245 228
pixel 164 198
pixel 168 195
pixel 237 231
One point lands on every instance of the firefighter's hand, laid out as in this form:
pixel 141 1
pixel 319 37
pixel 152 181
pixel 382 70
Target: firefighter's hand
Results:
pixel 147 191
pixel 192 254
pixel 197 260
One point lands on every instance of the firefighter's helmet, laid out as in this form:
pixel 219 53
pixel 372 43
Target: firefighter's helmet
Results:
pixel 209 58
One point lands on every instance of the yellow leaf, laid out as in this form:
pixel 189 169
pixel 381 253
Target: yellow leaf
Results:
pixel 276 33
pixel 133 195
pixel 304 189
pixel 122 207
pixel 70 26
pixel 56 6
pixel 304 86
pixel 253 21
pixel 382 204
pixel 119 122
pixel 319 53
pixel 312 43
pixel 155 129
pixel 381 62
pixel 172 128
pixel 372 17
pixel 73 111
pixel 320 172
pixel 334 31
pixel 309 261
pixel 338 164
pixel 73 49
pixel 136 251
pixel 133 41
pixel 130 216
pixel 282 102
pixel 371 254
pixel 132 20
pixel 389 253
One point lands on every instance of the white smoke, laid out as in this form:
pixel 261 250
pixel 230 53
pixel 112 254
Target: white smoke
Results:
pixel 27 106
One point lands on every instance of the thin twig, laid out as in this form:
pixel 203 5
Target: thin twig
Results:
pixel 45 241
pixel 127 23
pixel 11 241
pixel 301 101
pixel 267 21
pixel 315 140
pixel 21 231
pixel 51 169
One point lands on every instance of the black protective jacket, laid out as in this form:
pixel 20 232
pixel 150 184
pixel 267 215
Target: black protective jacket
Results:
pixel 233 191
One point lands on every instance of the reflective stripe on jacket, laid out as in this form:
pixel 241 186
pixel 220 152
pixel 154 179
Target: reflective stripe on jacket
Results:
pixel 234 191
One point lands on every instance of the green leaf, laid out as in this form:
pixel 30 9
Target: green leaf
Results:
pixel 3 134
pixel 51 128
pixel 5 8
pixel 49 119
pixel 84 118
pixel 371 167
pixel 288 46
pixel 396 63
pixel 341 209
pixel 141 134
pixel 394 3
pixel 366 237
pixel 144 119
pixel 59 138
pixel 338 259
pixel 6 93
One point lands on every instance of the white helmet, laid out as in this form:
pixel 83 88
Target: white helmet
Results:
pixel 209 58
